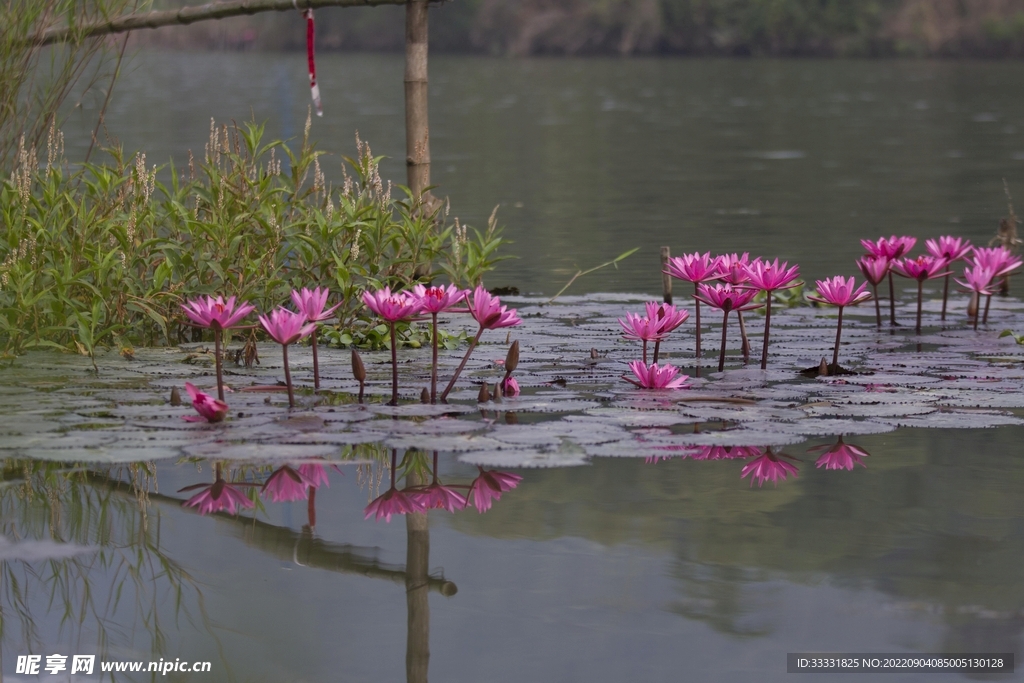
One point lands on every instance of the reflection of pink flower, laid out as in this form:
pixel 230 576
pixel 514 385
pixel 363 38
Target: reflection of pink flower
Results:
pixel 767 467
pixel 488 311
pixel 840 456
pixel 510 387
pixel 839 291
pixel 725 452
pixel 489 486
pixel 311 303
pixel 287 484
pixel 438 299
pixel 208 407
pixel 315 474
pixel 654 377
pixel 216 313
pixel 286 327
pixel 391 307
pixel 393 502
pixel 439 497
pixel 218 496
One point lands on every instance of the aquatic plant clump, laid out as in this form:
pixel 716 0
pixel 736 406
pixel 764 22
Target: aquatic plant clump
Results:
pixel 106 254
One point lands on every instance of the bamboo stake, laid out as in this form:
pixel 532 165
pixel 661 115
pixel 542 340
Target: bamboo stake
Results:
pixel 417 129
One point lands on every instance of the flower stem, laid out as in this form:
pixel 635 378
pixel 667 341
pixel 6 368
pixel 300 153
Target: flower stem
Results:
pixel 725 328
pixel 743 336
pixel 645 352
pixel 458 370
pixel 878 307
pixel 835 352
pixel 988 300
pixel 288 377
pixel 657 347
pixel 394 367
pixel 917 328
pixel 698 318
pixel 892 301
pixel 316 364
pixel 433 364
pixel 767 326
pixel 217 363
pixel 945 295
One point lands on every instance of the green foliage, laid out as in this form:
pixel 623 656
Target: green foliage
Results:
pixel 106 254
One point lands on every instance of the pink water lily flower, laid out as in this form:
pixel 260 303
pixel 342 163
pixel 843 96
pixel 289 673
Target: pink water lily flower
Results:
pixel 489 315
pixel 949 248
pixel 874 268
pixel 768 277
pixel 999 259
pixel 287 484
pixel 510 387
pixel 727 298
pixel 655 326
pixel 488 487
pixel 891 249
pixel 216 313
pixel 434 300
pixel 392 306
pixel 488 311
pixel 839 292
pixel 208 407
pixel 287 327
pixel 696 268
pixel 393 502
pixel 218 496
pixel 767 467
pixel 839 456
pixel 921 268
pixel 654 377
pixel 311 303
pixel 734 267
pixel 438 299
pixel 978 279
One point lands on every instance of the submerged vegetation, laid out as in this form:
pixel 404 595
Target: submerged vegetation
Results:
pixel 104 254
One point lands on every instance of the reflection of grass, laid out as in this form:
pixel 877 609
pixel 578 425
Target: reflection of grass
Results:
pixel 116 589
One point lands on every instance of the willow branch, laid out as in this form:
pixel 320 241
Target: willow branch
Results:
pixel 189 15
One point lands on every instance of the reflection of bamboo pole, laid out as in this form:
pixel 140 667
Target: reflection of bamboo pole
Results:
pixel 417 586
pixel 290 545
pixel 191 14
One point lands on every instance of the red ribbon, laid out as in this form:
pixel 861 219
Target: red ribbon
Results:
pixel 314 88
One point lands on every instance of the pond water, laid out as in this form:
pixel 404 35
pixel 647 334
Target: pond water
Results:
pixel 639 543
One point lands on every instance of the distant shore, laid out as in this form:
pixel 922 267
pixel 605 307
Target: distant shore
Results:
pixel 988 29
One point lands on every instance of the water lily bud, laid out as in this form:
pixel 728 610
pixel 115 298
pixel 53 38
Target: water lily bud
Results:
pixel 425 395
pixel 823 368
pixel 484 396
pixel 358 369
pixel 497 392
pixel 175 396
pixel 512 358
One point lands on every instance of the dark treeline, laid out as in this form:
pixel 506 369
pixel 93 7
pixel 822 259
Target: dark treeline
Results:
pixel 944 28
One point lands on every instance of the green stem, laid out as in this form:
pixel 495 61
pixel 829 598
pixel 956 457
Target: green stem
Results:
pixel 725 328
pixel 288 377
pixel 217 363
pixel 394 367
pixel 316 365
pixel 458 370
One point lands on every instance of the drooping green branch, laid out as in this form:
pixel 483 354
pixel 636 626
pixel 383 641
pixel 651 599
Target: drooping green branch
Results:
pixel 189 15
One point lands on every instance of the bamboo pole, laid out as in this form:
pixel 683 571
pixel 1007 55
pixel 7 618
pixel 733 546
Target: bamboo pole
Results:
pixel 192 14
pixel 417 128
